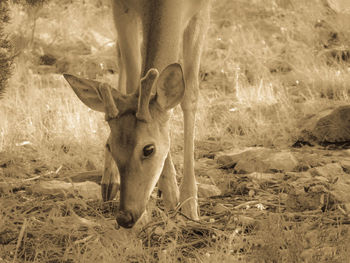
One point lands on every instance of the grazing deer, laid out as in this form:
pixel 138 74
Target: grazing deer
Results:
pixel 137 149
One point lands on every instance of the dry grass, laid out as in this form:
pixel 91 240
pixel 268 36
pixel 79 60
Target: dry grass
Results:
pixel 266 64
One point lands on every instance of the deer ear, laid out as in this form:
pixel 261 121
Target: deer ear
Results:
pixel 170 87
pixel 87 91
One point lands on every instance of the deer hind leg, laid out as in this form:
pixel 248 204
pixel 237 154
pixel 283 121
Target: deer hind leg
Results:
pixel 167 184
pixel 192 46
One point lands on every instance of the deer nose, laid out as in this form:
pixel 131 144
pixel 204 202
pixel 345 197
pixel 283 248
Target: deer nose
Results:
pixel 125 219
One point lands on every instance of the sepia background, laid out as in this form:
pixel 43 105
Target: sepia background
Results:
pixel 274 91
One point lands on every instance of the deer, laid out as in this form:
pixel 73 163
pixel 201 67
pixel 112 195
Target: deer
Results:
pixel 152 35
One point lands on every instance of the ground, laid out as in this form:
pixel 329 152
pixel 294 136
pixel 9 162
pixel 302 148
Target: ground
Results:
pixel 272 73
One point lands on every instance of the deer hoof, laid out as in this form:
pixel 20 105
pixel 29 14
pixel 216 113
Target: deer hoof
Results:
pixel 109 191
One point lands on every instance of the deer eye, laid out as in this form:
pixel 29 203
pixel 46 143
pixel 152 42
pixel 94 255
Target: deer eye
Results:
pixel 148 150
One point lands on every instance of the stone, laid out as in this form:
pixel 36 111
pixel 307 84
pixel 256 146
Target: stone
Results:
pixel 203 165
pixel 87 190
pixel 265 176
pixel 93 176
pixel 323 187
pixel 340 6
pixel 334 127
pixel 214 174
pixel 329 125
pixel 53 187
pixel 300 200
pixel 328 171
pixel 208 190
pixel 310 160
pixel 339 190
pixel 219 208
pixel 345 164
pixel 260 160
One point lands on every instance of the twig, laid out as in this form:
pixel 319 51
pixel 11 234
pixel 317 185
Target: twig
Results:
pixel 20 237
pixel 32 178
pixel 246 204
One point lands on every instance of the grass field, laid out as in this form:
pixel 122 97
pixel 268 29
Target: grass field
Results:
pixel 266 65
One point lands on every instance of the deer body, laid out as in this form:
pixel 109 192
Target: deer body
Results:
pixel 138 145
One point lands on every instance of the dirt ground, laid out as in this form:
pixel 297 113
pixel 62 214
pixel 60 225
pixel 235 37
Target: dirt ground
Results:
pixel 266 215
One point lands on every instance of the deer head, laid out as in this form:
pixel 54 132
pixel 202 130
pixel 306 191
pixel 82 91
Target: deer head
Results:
pixel 139 139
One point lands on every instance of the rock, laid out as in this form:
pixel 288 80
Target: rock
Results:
pixel 334 127
pixel 214 174
pixel 300 200
pixel 73 221
pixel 87 190
pixel 281 161
pixel 328 171
pixel 340 6
pixel 322 187
pixel 305 191
pixel 208 190
pixel 53 187
pixel 265 176
pixel 203 165
pixel 294 176
pixel 340 192
pixel 330 125
pixel 93 176
pixel 219 208
pixel 308 161
pixel 345 164
pixel 206 162
pixel 260 160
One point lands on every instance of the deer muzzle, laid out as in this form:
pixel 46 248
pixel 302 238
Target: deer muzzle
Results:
pixel 125 219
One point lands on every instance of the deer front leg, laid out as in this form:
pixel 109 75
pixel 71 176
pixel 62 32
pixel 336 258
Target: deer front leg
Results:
pixel 110 182
pixel 192 47
pixel 188 187
pixel 128 47
pixel 167 184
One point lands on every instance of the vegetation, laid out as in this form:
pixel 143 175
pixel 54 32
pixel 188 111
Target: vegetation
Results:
pixel 265 66
pixel 5 48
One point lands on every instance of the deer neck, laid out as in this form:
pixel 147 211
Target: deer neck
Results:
pixel 162 33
